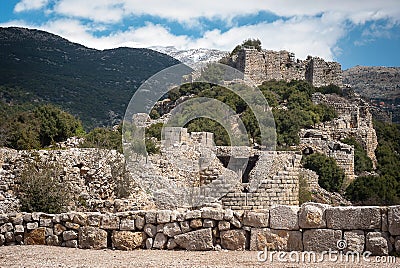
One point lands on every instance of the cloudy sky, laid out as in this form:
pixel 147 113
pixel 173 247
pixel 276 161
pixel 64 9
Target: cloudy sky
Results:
pixel 352 32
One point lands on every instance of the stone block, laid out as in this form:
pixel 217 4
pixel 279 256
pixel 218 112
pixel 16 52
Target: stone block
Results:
pixel 394 220
pixel 36 237
pixel 126 240
pixel 80 218
pixel 195 240
pixel 214 214
pixel 7 227
pixel 193 214
pixel 163 216
pixel 171 244
pixel 172 229
pixel 10 237
pixel 71 225
pixel 196 223
pixel 94 219
pixel 279 240
pixel 92 238
pixel 127 224
pixel 150 230
pixel 151 217
pixel 377 243
pixel 71 243
pixel 160 241
pixel 69 235
pixel 312 215
pixel 140 222
pixel 19 229
pixel 209 223
pixel 321 239
pixel 58 229
pixel 256 219
pixel 233 239
pixel 350 218
pixel 185 226
pixel 53 240
pixel 149 243
pixel 355 241
pixel 397 244
pixel 109 222
pixel 284 217
pixel 224 225
pixel 2 239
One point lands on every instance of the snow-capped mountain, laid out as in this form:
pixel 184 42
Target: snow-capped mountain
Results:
pixel 194 56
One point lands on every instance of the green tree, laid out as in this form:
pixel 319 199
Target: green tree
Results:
pixel 361 160
pixel 104 138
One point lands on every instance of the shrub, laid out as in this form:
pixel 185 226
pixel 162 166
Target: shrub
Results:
pixel 304 191
pixel 40 188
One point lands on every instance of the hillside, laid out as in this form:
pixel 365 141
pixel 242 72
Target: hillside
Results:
pixel 94 85
pixel 374 82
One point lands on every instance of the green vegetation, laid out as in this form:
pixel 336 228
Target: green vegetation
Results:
pixel 255 43
pixel 330 175
pixel 383 189
pixel 41 190
pixel 304 191
pixel 361 160
pixel 104 138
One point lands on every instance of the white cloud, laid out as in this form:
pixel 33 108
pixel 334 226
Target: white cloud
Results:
pixel 26 5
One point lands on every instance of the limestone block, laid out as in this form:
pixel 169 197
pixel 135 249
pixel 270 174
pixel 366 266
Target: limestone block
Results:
pixel 280 240
pixel 377 243
pixel 109 222
pixel 396 244
pixel 7 227
pixel 224 225
pixel 10 237
pixel 126 240
pixel 32 225
pixel 196 223
pixel 171 244
pixel 235 222
pixel 256 219
pixel 185 226
pixel 355 240
pixel 350 218
pixel 394 220
pixel 58 229
pixel 160 228
pixel 139 222
pixel 172 229
pixel 214 214
pixel 150 230
pixel 321 239
pixel 71 243
pixel 36 237
pixel 233 239
pixel 149 243
pixel 312 215
pixel 94 219
pixel 208 223
pixel 127 224
pixel 193 214
pixel 228 215
pixel 46 222
pixel 92 238
pixel 2 239
pixel 151 217
pixel 53 240
pixel 163 216
pixel 160 241
pixel 69 235
pixel 284 217
pixel 71 225
pixel 80 218
pixel 19 229
pixel 195 240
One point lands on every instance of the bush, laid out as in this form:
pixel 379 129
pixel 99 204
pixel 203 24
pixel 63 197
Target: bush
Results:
pixel 40 188
pixel 304 191
pixel 330 175
pixel 361 160
pixel 104 138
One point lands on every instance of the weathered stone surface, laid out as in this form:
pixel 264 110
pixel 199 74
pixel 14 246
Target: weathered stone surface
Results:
pixel 10 237
pixel 238 224
pixel 355 240
pixel 109 222
pixel 126 240
pixel 139 222
pixel 208 223
pixel 321 239
pixel 377 243
pixel 171 244
pixel 172 229
pixel 80 218
pixel 69 235
pixel 160 228
pixel 163 216
pixel 312 215
pixel 228 215
pixel 71 243
pixel 53 240
pixel 71 225
pixel 397 244
pixel 394 220
pixel 350 218
pixel 185 226
pixel 7 227
pixel 36 237
pixel 150 230
pixel 233 239
pixel 284 217
pixel 19 229
pixel 127 224
pixel 214 214
pixel 255 219
pixel 2 239
pixel 149 243
pixel 44 222
pixel 193 214
pixel 59 229
pixel 151 217
pixel 32 225
pixel 196 223
pixel 94 219
pixel 282 240
pixel 195 240
pixel 224 225
pixel 160 241
pixel 92 238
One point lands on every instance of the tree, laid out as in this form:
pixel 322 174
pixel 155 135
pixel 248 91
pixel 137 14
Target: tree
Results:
pixel 249 43
pixel 361 160
pixel 330 175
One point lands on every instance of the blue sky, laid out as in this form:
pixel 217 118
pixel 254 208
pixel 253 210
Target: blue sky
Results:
pixel 352 32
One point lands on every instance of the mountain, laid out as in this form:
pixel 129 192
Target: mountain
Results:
pixel 374 82
pixel 192 57
pixel 92 84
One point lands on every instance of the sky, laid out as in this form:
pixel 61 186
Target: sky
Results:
pixel 352 32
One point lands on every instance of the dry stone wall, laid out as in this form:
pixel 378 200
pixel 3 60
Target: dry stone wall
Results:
pixel 311 227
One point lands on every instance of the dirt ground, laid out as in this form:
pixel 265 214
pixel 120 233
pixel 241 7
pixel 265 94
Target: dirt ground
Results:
pixel 46 256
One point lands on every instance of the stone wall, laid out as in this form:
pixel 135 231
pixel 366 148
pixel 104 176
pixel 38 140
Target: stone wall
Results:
pixel 266 65
pixel 311 227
